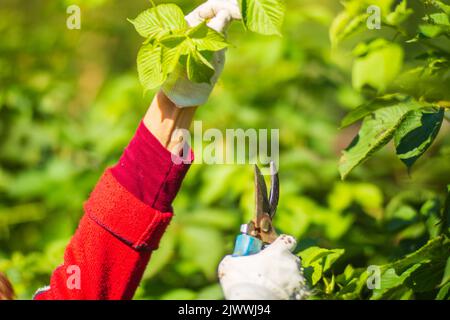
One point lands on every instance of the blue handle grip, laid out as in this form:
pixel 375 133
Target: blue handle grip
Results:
pixel 246 245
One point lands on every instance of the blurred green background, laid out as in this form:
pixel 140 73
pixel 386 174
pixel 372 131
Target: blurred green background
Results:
pixel 70 101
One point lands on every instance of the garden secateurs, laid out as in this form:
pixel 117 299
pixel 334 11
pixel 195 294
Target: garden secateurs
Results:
pixel 260 231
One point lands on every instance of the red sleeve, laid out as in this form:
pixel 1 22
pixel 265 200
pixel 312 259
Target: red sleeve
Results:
pixel 123 222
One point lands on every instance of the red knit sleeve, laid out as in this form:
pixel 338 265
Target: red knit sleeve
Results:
pixel 108 253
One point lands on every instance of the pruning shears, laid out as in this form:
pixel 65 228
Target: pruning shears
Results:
pixel 260 231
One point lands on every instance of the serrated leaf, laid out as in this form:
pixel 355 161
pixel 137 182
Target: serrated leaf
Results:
pixel 263 16
pixel 435 249
pixel 376 130
pixel 149 66
pixel 170 58
pixel 154 63
pixel 386 101
pixel 206 39
pixel 319 260
pixel 416 134
pixel 199 69
pixel 160 20
pixel 213 41
pixel 390 280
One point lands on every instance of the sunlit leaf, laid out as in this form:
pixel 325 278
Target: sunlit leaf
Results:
pixel 390 280
pixel 150 69
pixel 159 21
pixel 400 13
pixel 263 16
pixel 379 67
pixel 379 103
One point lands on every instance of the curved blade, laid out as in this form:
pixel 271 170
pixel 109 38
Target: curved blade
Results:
pixel 261 201
pixel 274 190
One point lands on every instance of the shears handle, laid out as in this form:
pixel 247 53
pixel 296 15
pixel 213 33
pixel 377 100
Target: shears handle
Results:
pixel 246 245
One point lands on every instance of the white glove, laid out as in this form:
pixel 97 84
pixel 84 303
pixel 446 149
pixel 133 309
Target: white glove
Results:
pixel 272 274
pixel 178 88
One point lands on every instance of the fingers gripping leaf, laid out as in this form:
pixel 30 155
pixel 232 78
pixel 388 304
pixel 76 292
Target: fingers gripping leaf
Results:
pixel 169 38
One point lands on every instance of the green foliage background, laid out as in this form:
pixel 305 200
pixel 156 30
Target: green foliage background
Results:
pixel 70 101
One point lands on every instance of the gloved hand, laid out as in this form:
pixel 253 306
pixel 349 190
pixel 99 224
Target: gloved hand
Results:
pixel 272 274
pixel 178 88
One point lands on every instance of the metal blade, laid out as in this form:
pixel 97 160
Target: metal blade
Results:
pixel 274 190
pixel 261 201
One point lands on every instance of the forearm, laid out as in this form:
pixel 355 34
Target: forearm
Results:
pixel 164 119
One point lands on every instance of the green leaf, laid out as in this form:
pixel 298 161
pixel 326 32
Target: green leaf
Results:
pixel 317 260
pixel 379 67
pixel 376 130
pixel 390 100
pixel 431 30
pixel 390 280
pixel 344 25
pixel 400 14
pixel 160 20
pixel 444 7
pixel 431 214
pixel 206 39
pixel 172 41
pixel 439 19
pixel 434 250
pixel 198 68
pixel 213 41
pixel 416 134
pixel 263 16
pixel 427 277
pixel 150 66
pixel 154 63
pixel 443 293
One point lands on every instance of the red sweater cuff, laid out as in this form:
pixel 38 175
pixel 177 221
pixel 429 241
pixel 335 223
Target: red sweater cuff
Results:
pixel 118 211
pixel 149 171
